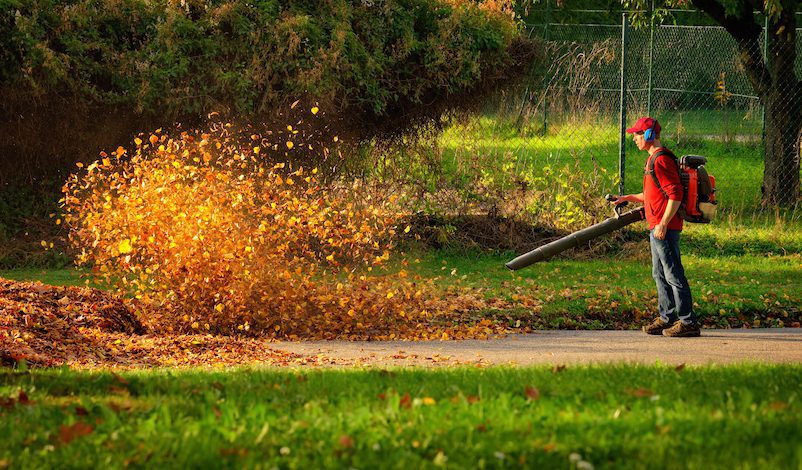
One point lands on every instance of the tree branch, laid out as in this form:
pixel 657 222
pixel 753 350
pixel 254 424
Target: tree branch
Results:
pixel 744 28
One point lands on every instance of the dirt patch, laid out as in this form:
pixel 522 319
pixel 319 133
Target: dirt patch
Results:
pixel 501 233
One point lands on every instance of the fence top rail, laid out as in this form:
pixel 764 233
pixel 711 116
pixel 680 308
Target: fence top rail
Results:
pixel 618 12
pixel 618 26
pixel 598 25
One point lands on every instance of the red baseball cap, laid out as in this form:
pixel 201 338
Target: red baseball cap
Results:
pixel 643 124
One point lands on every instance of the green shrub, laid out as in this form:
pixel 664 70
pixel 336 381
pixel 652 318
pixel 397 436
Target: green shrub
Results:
pixel 194 56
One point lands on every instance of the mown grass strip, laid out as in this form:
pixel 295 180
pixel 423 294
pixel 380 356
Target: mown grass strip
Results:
pixel 661 416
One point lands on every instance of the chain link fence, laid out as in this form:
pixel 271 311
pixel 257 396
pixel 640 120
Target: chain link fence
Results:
pixel 567 117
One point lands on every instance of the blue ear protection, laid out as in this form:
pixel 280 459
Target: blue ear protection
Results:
pixel 648 135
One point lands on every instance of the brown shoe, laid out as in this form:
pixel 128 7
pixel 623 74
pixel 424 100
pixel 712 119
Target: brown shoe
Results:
pixel 657 326
pixel 681 330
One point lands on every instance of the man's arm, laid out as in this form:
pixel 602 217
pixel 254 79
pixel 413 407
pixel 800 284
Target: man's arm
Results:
pixel 629 198
pixel 660 229
pixel 671 208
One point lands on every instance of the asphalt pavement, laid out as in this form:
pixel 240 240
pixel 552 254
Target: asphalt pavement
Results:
pixel 781 345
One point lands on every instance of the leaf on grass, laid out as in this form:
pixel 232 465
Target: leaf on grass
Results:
pixel 23 398
pixel 532 393
pixel 406 401
pixel 117 407
pixel 639 392
pixel 68 433
pixel 778 406
pixel 555 369
pixel 234 451
pixel 120 379
pixel 346 441
pixel 119 390
pixel 680 367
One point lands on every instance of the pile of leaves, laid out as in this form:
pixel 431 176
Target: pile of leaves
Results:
pixel 43 325
pixel 85 327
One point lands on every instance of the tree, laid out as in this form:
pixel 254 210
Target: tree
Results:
pixel 774 80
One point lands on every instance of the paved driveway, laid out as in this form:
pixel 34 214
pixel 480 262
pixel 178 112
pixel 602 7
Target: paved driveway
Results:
pixel 567 347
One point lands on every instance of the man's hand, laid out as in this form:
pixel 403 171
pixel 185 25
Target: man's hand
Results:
pixel 660 231
pixel 619 200
pixel 634 198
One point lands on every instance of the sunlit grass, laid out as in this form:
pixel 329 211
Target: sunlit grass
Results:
pixel 660 416
pixel 505 151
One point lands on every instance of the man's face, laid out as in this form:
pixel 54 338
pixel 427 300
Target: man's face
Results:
pixel 640 141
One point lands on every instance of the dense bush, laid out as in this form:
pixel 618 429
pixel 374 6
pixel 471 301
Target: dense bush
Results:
pixel 219 240
pixel 193 56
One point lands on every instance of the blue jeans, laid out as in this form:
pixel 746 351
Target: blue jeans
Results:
pixel 673 292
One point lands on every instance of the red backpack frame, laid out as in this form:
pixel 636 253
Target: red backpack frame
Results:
pixel 699 188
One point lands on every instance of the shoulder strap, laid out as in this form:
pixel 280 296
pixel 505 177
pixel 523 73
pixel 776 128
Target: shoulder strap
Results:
pixel 653 174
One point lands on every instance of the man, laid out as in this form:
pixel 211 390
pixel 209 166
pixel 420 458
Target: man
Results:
pixel 661 197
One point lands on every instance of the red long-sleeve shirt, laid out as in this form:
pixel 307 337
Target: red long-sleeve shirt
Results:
pixel 654 201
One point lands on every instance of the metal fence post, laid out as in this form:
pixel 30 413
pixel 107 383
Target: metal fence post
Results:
pixel 622 142
pixel 651 54
pixel 765 60
pixel 545 95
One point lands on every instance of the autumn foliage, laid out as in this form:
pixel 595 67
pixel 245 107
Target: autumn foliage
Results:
pixel 202 228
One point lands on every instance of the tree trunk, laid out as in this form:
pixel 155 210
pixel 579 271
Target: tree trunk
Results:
pixel 783 130
pixel 782 102
pixel 775 82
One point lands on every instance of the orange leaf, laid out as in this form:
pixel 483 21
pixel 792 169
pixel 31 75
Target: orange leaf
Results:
pixel 532 393
pixel 406 401
pixel 68 433
pixel 346 441
pixel 639 393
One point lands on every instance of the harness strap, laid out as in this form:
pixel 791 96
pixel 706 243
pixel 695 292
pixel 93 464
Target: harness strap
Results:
pixel 653 174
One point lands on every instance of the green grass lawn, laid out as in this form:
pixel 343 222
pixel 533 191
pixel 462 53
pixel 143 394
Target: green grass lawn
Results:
pixel 661 416
pixel 501 149
pixel 53 277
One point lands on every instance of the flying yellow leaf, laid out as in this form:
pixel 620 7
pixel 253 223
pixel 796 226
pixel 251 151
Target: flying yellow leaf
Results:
pixel 125 247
